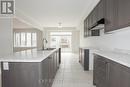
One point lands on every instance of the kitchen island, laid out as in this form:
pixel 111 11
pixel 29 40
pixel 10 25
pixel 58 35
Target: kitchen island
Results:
pixel 31 68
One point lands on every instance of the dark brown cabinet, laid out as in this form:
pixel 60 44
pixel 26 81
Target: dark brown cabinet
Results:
pixel 110 15
pixel 23 75
pixel 114 75
pixel 100 71
pixel 44 73
pixel 115 12
pixel 123 13
pixel 125 77
pixel 51 70
pixel 101 8
pixel 31 74
pixel 89 21
pixel 119 75
pixel 108 73
pixel 96 14
pixel 84 58
pixel 85 28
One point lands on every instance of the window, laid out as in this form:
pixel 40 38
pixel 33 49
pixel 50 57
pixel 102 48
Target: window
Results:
pixel 29 40
pixel 23 39
pixel 17 39
pixel 34 39
pixel 61 39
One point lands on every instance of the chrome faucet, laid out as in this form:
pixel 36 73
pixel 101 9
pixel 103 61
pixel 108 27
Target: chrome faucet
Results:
pixel 44 43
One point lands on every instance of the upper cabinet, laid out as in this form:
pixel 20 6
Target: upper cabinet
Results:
pixel 91 20
pixel 94 16
pixel 117 14
pixel 85 28
pixel 110 15
pixel 100 7
pixel 113 14
pixel 123 13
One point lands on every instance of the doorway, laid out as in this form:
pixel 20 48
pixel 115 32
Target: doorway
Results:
pixel 61 40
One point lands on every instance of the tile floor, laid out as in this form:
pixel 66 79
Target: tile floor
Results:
pixel 71 73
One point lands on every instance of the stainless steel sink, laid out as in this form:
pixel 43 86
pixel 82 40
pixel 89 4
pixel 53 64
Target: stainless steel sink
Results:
pixel 47 49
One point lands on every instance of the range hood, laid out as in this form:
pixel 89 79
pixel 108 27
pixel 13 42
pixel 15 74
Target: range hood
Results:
pixel 98 25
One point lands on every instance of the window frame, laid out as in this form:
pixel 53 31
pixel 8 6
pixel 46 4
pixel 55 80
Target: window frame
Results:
pixel 20 37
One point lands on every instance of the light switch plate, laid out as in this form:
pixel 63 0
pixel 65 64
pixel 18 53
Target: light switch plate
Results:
pixel 5 66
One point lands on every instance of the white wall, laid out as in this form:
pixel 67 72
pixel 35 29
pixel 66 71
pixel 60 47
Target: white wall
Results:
pixel 75 41
pixel 75 36
pixel 6 32
pixel 119 39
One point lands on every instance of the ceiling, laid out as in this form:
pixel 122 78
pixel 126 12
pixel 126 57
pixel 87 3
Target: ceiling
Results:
pixel 48 13
pixel 18 24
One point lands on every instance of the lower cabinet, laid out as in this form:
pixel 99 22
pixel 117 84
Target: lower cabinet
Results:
pixel 31 74
pixel 108 73
pixel 23 75
pixel 119 75
pixel 84 58
pixel 100 71
pixel 44 74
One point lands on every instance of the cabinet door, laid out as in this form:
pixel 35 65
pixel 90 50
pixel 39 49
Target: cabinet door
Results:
pixel 51 70
pixel 100 7
pixel 44 72
pixel 123 13
pixel 85 28
pixel 90 20
pixel 100 71
pixel 94 16
pixel 119 75
pixel 22 75
pixel 114 75
pixel 110 15
pixel 125 77
pixel 86 59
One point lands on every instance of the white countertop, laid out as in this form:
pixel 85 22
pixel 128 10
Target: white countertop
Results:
pixel 90 48
pixel 33 55
pixel 121 58
pixel 118 55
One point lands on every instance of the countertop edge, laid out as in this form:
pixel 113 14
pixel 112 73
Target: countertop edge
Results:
pixel 115 58
pixel 4 59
